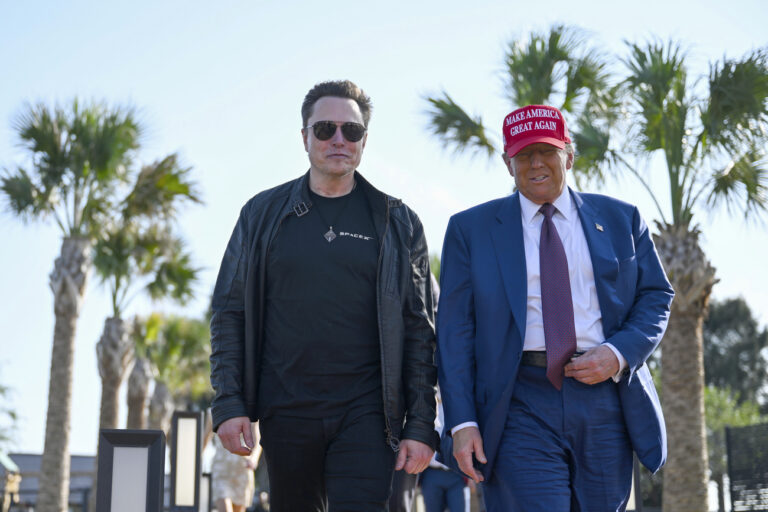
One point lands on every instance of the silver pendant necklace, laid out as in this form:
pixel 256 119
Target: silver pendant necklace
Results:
pixel 330 235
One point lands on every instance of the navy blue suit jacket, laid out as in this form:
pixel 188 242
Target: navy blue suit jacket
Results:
pixel 481 316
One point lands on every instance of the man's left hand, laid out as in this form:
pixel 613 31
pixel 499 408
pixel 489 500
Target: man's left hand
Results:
pixel 414 456
pixel 593 366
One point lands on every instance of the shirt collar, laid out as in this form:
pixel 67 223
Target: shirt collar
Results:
pixel 563 204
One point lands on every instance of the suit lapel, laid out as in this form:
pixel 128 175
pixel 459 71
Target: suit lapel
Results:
pixel 507 235
pixel 598 239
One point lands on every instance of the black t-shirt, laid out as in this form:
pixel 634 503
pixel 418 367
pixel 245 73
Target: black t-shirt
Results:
pixel 321 350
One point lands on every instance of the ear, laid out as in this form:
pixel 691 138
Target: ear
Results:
pixel 508 162
pixel 365 138
pixel 568 160
pixel 304 138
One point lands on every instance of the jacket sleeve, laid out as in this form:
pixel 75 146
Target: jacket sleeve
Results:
pixel 456 330
pixel 228 327
pixel 419 371
pixel 646 320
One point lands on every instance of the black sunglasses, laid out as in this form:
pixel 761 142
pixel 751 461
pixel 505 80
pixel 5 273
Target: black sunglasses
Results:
pixel 324 130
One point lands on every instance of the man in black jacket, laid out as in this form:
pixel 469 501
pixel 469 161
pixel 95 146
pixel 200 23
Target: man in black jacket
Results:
pixel 322 325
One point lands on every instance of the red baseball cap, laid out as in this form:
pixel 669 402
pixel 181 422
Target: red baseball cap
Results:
pixel 532 124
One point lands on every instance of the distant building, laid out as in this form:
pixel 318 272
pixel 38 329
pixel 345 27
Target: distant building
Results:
pixel 80 483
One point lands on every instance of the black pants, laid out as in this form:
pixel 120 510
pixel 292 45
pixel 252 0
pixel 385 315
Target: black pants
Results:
pixel 403 491
pixel 338 463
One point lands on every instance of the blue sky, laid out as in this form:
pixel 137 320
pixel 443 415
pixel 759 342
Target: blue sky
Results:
pixel 222 85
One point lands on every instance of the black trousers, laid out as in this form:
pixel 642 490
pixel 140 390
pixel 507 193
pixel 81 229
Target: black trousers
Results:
pixel 403 491
pixel 337 463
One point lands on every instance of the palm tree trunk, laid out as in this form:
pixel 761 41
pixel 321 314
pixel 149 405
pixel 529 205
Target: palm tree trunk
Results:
pixel 682 369
pixel 138 391
pixel 67 281
pixel 114 353
pixel 161 408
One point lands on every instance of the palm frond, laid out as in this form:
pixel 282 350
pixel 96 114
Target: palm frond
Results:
pixel 127 255
pixel 112 253
pixel 742 185
pixel 24 196
pixel 593 155
pixel 45 133
pixel 656 86
pixel 586 76
pixel 606 106
pixel 174 275
pixel 106 138
pixel 456 129
pixel 737 107
pixel 97 211
pixel 159 189
pixel 536 67
pixel 593 132
pixel 152 245
pixel 554 64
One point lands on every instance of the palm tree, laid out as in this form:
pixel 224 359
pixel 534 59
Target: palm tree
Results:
pixel 713 149
pixel 177 349
pixel 139 248
pixel 713 144
pixel 77 157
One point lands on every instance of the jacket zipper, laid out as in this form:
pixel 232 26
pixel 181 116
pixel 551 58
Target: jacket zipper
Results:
pixel 266 255
pixel 391 440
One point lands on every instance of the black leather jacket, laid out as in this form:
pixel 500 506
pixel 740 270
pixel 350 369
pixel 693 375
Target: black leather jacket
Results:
pixel 404 300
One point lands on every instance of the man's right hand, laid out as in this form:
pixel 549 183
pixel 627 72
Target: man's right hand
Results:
pixel 466 442
pixel 229 434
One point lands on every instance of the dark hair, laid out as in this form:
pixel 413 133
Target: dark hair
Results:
pixel 338 89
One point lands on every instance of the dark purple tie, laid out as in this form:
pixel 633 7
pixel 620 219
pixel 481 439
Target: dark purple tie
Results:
pixel 556 302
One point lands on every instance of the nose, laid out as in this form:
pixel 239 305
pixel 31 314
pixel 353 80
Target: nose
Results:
pixel 338 137
pixel 536 160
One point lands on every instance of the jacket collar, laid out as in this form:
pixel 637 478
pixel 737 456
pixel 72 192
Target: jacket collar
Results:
pixel 299 201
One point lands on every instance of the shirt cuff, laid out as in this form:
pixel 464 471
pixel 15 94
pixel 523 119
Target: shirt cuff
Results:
pixel 622 362
pixel 463 425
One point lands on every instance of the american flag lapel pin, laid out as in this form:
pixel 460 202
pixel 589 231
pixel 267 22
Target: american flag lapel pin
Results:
pixel 598 226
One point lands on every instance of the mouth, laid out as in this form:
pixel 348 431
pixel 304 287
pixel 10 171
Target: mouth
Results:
pixel 539 179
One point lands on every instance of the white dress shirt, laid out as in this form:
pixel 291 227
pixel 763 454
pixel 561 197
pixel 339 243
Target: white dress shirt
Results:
pixel 586 309
pixel 439 425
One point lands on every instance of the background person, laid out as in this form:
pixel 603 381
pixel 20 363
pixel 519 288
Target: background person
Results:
pixel 232 478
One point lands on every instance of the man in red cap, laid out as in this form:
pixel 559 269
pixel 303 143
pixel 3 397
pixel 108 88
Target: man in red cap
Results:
pixel 552 300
